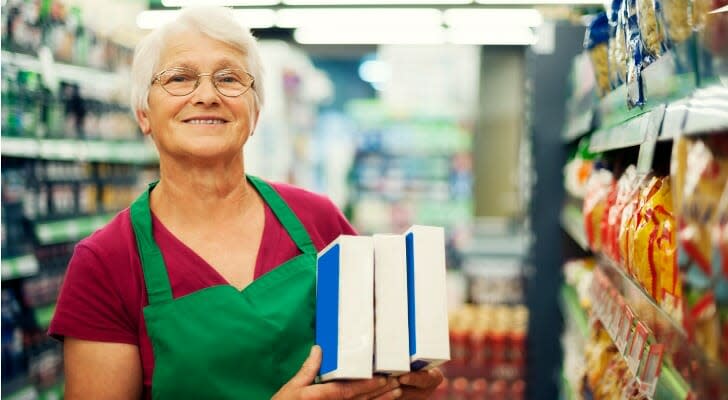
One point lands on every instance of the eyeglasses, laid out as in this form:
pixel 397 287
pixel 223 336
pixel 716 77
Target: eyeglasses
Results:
pixel 180 81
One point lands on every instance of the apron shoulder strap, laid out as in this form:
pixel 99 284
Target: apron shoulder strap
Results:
pixel 155 272
pixel 283 212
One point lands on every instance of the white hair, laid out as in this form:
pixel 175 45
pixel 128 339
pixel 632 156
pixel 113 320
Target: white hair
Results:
pixel 219 23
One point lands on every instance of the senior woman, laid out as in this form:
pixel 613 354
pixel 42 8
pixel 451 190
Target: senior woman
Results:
pixel 204 286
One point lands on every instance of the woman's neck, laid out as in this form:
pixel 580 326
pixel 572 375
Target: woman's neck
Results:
pixel 189 196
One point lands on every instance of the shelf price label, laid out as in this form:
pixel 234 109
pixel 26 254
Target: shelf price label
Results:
pixel 611 315
pixel 651 368
pixel 625 328
pixel 636 349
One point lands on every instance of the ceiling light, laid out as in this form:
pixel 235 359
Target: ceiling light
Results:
pixel 227 3
pixel 514 36
pixel 371 18
pixel 372 2
pixel 375 71
pixel 252 18
pixel 367 35
pixel 507 17
pixel 534 2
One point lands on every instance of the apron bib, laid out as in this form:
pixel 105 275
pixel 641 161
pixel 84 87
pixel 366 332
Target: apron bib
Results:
pixel 222 343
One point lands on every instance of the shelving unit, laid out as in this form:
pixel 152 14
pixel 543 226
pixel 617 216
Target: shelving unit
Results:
pixel 126 152
pixel 675 106
pixel 70 229
pixel 19 267
pixel 570 303
pixel 572 222
pixel 700 113
pixel 67 176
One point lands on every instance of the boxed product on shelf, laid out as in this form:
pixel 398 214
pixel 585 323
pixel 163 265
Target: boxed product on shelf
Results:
pixel 391 345
pixel 344 308
pixel 429 344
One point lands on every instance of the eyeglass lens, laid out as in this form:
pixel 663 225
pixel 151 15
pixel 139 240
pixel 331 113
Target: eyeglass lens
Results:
pixel 181 82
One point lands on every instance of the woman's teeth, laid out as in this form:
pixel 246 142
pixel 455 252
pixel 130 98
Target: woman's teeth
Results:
pixel 205 121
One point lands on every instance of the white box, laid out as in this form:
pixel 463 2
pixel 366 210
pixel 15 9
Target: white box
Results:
pixel 345 308
pixel 391 338
pixel 429 344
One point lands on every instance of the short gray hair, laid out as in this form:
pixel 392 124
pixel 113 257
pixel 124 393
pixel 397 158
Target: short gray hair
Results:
pixel 218 23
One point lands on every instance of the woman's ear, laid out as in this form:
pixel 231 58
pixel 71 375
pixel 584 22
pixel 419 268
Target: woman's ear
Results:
pixel 143 120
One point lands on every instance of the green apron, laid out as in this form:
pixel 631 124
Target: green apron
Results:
pixel 222 343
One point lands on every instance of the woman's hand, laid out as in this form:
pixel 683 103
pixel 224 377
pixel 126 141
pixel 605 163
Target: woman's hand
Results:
pixel 300 387
pixel 420 385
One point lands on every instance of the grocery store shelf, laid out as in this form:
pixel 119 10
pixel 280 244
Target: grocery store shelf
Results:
pixel 629 133
pixel 669 384
pixel 572 222
pixel 129 152
pixel 571 305
pixel 703 111
pixel 19 267
pixel 699 375
pixel 69 230
pixel 84 76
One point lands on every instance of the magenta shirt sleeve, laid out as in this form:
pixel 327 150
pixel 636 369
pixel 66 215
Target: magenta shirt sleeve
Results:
pixel 89 306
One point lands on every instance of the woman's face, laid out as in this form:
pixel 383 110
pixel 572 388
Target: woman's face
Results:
pixel 203 125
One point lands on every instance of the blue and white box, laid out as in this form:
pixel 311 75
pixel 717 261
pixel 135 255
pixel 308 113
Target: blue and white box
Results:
pixel 391 339
pixel 345 308
pixel 429 343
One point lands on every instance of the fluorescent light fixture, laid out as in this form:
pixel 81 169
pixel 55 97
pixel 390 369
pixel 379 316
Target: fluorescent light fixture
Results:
pixel 501 17
pixel 371 2
pixel 371 18
pixel 369 35
pixel 226 3
pixel 537 2
pixel 514 36
pixel 252 18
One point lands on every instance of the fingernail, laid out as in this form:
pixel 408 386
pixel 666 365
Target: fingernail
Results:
pixel 396 393
pixel 404 380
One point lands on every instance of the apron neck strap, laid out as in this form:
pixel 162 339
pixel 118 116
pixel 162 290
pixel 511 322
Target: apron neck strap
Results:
pixel 285 215
pixel 155 272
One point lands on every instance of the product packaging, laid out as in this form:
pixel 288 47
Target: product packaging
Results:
pixel 618 43
pixel 344 308
pixel 649 18
pixel 635 57
pixel 597 189
pixel 391 341
pixel 595 43
pixel 429 344
pixel 700 167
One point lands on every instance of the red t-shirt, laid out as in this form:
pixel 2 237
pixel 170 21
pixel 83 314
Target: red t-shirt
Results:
pixel 103 293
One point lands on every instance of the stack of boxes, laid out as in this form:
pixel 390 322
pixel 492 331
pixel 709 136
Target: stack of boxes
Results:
pixel 381 306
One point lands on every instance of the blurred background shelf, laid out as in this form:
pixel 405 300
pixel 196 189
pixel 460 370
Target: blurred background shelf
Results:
pixel 570 303
pixel 70 229
pixel 128 152
pixel 19 267
pixel 572 221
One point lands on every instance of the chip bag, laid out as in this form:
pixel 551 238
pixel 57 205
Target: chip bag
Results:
pixel 700 168
pixel 598 187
